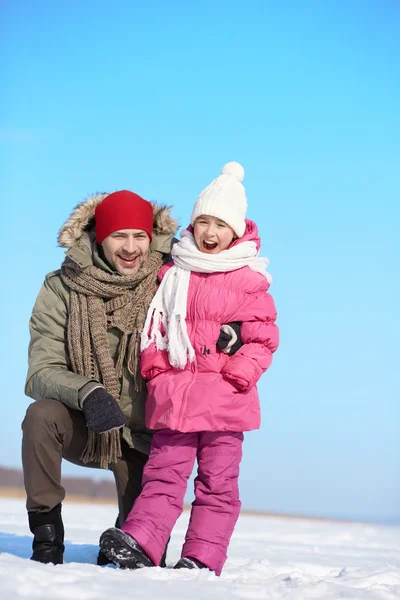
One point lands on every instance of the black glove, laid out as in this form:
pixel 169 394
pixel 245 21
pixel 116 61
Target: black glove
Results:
pixel 102 413
pixel 229 338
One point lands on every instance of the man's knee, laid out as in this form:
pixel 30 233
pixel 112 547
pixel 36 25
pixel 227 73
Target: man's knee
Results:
pixel 42 413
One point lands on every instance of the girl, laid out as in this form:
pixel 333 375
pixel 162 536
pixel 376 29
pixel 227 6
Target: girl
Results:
pixel 200 400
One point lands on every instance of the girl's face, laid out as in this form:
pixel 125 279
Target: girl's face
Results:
pixel 212 235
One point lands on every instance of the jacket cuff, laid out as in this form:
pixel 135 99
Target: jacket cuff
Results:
pixel 86 389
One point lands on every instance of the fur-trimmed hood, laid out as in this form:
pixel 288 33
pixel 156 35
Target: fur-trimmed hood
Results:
pixel 82 221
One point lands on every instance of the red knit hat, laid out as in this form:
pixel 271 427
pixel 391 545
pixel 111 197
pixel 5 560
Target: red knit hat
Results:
pixel 123 210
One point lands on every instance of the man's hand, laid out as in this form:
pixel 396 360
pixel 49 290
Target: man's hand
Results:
pixel 229 338
pixel 102 413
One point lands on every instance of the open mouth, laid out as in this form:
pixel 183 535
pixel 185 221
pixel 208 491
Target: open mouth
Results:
pixel 128 262
pixel 209 245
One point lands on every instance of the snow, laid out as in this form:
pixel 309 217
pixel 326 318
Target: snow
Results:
pixel 269 558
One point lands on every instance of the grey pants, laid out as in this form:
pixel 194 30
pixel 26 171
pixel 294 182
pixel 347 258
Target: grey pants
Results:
pixel 51 432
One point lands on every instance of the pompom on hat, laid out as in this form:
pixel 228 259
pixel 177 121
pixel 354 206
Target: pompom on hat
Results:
pixel 123 210
pixel 225 199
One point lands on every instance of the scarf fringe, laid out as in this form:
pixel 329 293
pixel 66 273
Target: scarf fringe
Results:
pixel 179 345
pixel 102 448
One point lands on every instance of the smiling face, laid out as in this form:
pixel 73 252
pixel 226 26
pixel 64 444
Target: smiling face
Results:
pixel 126 249
pixel 212 235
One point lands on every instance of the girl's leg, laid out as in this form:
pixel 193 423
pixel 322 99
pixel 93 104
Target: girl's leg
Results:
pixel 165 476
pixel 216 507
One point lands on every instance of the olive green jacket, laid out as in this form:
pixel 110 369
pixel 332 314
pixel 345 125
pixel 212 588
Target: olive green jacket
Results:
pixel 50 375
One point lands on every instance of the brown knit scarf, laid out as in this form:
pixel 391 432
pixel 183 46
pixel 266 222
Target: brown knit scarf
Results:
pixel 100 301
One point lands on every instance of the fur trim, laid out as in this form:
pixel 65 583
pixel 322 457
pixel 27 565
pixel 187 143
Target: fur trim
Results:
pixel 82 220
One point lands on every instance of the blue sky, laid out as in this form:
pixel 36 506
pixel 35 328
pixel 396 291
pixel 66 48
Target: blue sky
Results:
pixel 156 97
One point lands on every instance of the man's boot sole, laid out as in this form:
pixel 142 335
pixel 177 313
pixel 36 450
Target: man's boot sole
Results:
pixel 123 550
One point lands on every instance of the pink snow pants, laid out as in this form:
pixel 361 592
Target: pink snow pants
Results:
pixel 216 507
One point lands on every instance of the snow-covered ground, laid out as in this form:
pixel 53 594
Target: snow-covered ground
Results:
pixel 269 558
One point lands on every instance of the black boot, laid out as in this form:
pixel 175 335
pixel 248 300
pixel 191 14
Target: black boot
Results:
pixel 48 536
pixel 102 559
pixel 189 563
pixel 123 550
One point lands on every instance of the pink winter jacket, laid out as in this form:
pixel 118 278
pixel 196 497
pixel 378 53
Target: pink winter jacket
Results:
pixel 216 392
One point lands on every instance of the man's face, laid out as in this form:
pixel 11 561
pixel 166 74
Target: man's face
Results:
pixel 126 249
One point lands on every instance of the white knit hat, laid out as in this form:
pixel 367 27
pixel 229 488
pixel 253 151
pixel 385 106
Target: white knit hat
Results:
pixel 225 198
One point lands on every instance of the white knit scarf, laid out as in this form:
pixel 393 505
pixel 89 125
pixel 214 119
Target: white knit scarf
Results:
pixel 168 307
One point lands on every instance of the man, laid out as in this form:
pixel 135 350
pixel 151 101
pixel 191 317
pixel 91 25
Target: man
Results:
pixel 84 357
